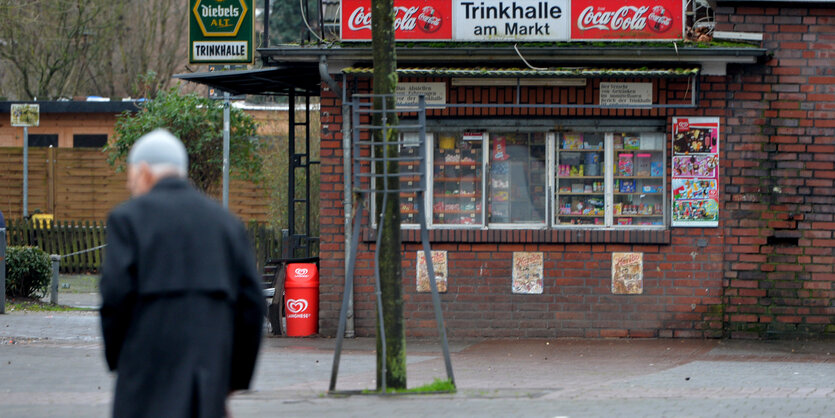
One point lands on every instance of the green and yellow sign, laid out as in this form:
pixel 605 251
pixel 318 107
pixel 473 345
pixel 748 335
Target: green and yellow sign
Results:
pixel 221 31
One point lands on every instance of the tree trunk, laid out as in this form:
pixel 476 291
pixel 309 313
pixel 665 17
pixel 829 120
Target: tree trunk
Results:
pixel 385 81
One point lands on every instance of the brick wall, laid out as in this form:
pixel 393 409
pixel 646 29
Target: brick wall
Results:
pixel 780 200
pixel 683 269
pixel 766 271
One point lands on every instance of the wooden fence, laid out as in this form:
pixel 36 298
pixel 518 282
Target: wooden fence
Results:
pixel 78 184
pixel 70 237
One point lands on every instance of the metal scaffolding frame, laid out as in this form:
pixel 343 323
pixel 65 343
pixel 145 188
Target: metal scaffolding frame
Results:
pixel 364 159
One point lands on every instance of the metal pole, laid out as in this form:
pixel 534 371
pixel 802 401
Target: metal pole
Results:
pixel 56 264
pixel 266 42
pixel 292 163
pixel 226 149
pixel 25 172
pixel 2 266
pixel 348 202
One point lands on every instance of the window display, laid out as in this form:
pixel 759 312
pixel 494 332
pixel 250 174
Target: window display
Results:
pixel 457 179
pixel 517 178
pixel 484 179
pixel 580 179
pixel 408 200
pixel 634 185
pixel 639 182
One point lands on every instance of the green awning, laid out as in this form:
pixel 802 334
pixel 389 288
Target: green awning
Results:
pixel 573 72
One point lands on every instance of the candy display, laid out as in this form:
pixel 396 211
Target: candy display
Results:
pixel 625 167
pixel 642 164
pixel 592 164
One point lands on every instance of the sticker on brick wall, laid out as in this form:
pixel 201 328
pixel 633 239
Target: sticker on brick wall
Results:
pixel 695 176
pixel 439 264
pixel 627 273
pixel 527 273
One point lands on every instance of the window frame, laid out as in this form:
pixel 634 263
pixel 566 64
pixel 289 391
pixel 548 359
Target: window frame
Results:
pixel 489 128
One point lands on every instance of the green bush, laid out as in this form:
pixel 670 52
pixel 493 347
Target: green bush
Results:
pixel 28 272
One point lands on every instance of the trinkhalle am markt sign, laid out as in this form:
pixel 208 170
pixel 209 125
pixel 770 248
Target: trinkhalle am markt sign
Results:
pixel 220 31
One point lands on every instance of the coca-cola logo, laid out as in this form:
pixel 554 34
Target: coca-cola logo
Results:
pixel 359 19
pixel 627 18
pixel 659 20
pixel 430 19
pixel 405 19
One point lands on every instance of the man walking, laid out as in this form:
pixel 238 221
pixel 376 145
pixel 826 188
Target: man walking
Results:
pixel 182 305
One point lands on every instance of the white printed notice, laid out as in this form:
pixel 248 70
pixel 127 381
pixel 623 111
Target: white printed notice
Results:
pixel 625 94
pixel 434 94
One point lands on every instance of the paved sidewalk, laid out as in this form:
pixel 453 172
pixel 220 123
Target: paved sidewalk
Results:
pixel 52 365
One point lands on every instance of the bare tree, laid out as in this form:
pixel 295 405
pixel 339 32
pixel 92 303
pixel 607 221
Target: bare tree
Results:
pixel 149 45
pixel 61 48
pixel 390 266
pixel 48 47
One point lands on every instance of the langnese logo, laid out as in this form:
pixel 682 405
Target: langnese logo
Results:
pixel 296 305
pixel 301 272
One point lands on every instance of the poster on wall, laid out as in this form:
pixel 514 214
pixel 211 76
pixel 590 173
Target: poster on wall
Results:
pixel 695 172
pixel 527 273
pixel 439 264
pixel 627 273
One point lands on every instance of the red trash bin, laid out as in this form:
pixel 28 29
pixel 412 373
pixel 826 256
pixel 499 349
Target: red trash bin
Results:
pixel 301 299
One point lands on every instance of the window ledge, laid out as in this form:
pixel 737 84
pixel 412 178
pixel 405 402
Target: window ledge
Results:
pixel 534 236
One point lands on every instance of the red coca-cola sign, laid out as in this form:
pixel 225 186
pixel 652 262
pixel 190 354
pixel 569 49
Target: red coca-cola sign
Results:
pixel 415 20
pixel 627 20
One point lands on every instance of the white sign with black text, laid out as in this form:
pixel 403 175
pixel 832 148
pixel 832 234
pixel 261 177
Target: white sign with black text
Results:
pixel 512 20
pixel 625 94
pixel 434 93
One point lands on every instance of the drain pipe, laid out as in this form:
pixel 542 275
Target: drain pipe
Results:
pixel 346 173
pixel 323 73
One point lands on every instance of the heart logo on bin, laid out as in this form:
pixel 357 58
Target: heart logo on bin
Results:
pixel 296 305
pixel 301 271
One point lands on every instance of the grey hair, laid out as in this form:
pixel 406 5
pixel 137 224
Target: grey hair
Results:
pixel 162 151
pixel 167 170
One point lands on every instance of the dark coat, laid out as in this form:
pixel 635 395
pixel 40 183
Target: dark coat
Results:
pixel 182 304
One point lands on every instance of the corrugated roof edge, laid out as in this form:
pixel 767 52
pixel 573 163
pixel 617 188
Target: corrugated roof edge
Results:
pixel 50 106
pixel 523 72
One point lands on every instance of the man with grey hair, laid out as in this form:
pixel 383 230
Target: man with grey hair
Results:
pixel 182 305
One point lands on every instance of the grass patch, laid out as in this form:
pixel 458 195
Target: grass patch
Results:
pixel 32 305
pixel 437 386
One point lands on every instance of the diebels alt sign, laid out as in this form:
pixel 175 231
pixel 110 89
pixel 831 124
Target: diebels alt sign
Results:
pixel 220 31
pixel 522 20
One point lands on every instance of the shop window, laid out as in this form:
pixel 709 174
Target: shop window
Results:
pixel 457 180
pixel 408 200
pixel 89 140
pixel 630 194
pixel 580 179
pixel 517 178
pixel 501 179
pixel 43 140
